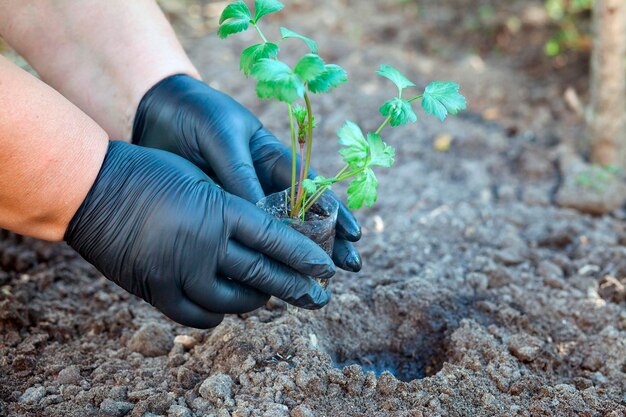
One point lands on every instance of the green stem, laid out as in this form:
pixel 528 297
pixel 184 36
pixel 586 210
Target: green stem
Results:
pixel 415 98
pixel 342 175
pixel 294 157
pixel 259 32
pixel 383 124
pixel 300 195
pixel 316 196
pixel 344 169
pixel 309 133
pixel 305 160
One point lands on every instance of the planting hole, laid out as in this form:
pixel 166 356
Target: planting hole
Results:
pixel 403 366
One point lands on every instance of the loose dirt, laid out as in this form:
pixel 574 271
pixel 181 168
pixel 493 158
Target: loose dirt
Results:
pixel 479 296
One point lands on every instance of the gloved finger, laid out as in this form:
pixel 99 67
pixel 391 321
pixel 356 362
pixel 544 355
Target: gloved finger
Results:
pixel 236 173
pixel 346 256
pixel 256 270
pixel 259 231
pixel 222 295
pixel 272 161
pixel 185 312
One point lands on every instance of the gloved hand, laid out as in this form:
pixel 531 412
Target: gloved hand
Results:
pixel 187 117
pixel 161 229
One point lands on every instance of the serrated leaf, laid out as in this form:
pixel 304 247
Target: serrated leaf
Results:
pixel 309 186
pixel 251 55
pixel 231 27
pixel 309 67
pixel 395 76
pixel 355 148
pixel 441 98
pixel 300 114
pixel 381 154
pixel 236 10
pixel 286 34
pixel 234 19
pixel 265 89
pixel 287 90
pixel 399 110
pixel 265 7
pixel 270 70
pixel 332 77
pixel 277 80
pixel 362 190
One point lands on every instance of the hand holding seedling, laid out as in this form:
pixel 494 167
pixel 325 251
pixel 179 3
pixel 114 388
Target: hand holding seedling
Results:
pixel 311 75
pixel 187 117
pixel 161 229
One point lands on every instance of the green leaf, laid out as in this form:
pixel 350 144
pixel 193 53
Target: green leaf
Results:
pixel 236 10
pixel 381 154
pixel 309 186
pixel 270 70
pixel 362 190
pixel 441 98
pixel 309 67
pixel 286 33
pixel 251 55
pixel 265 89
pixel 399 110
pixel 395 76
pixel 356 148
pixel 265 7
pixel 332 77
pixel 286 90
pixel 300 114
pixel 234 19
pixel 277 80
pixel 322 181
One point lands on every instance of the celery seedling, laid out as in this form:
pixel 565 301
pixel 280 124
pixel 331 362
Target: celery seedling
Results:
pixel 311 74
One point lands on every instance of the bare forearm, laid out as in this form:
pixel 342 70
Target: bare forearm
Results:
pixel 102 55
pixel 50 155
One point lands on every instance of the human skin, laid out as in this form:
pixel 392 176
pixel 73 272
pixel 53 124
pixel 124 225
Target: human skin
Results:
pixel 50 154
pixel 103 56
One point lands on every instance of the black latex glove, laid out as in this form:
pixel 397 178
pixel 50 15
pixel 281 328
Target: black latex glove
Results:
pixel 161 229
pixel 187 117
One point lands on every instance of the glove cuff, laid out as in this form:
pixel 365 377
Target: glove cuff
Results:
pixel 143 115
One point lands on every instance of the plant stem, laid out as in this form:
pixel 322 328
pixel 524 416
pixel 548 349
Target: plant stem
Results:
pixel 415 98
pixel 259 32
pixel 305 160
pixel 383 124
pixel 294 158
pixel 342 175
pixel 309 133
pixel 316 196
pixel 344 169
pixel 296 208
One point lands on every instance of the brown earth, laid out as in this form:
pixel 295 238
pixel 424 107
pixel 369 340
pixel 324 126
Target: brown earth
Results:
pixel 479 296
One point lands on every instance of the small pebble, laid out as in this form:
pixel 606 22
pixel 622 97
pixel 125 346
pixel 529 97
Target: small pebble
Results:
pixel 32 395
pixel 178 411
pixel 151 340
pixel 217 387
pixel 115 408
pixel 302 411
pixel 188 342
pixel 69 376
pixel 525 347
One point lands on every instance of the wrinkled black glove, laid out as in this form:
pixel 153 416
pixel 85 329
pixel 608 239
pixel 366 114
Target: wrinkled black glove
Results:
pixel 161 229
pixel 187 117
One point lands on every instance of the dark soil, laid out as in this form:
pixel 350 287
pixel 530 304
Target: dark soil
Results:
pixel 479 296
